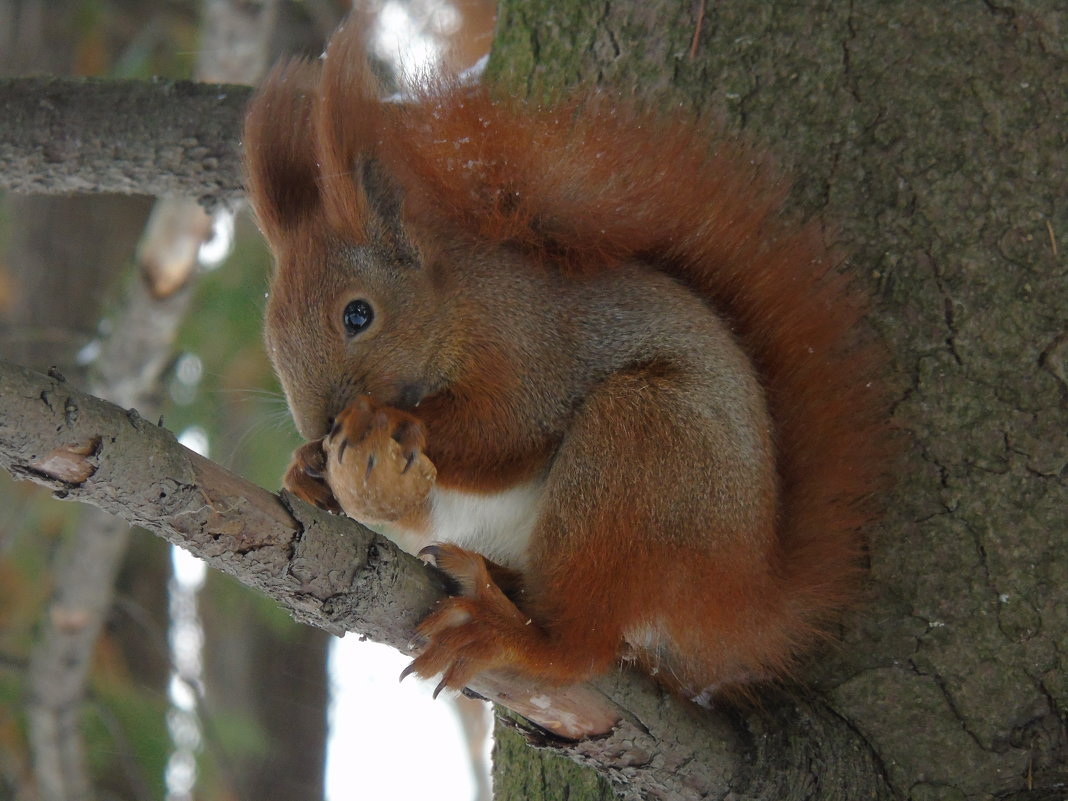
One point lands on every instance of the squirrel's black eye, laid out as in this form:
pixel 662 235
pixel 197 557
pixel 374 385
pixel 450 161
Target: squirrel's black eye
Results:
pixel 357 317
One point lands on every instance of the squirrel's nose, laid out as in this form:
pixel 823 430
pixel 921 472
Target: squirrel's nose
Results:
pixel 312 424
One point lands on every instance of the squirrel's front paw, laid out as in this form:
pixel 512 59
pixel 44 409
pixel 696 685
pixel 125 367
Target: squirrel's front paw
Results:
pixel 306 477
pixel 375 463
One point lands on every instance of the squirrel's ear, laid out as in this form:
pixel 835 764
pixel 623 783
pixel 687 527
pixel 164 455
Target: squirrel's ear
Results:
pixel 385 225
pixel 280 155
pixel 360 195
pixel 348 124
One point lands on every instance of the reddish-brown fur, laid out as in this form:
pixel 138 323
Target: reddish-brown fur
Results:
pixel 579 189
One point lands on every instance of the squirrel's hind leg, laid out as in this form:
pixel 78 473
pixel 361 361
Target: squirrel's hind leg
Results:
pixel 479 628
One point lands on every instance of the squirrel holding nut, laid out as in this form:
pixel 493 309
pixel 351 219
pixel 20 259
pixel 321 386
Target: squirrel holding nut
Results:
pixel 571 354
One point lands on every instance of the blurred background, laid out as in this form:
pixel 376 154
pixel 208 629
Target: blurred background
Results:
pixel 126 670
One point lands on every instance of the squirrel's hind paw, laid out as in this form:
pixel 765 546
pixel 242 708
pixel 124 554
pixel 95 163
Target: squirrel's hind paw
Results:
pixel 480 630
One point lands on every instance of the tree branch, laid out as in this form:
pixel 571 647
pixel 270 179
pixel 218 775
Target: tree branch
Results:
pixel 332 573
pixel 158 137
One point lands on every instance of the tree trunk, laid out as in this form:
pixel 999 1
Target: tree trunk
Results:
pixel 931 138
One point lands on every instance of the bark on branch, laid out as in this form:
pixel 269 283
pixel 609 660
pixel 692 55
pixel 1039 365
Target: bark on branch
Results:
pixel 158 137
pixel 332 573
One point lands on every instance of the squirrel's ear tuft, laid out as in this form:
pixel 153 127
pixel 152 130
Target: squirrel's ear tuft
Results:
pixel 280 157
pixel 314 133
pixel 348 124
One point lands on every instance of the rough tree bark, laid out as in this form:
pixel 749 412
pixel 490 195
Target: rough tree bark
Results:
pixel 59 288
pixel 933 141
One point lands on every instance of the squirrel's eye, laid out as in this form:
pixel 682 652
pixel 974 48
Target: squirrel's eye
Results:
pixel 357 317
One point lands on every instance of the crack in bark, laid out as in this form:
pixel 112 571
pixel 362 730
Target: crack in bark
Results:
pixel 951 705
pixel 847 56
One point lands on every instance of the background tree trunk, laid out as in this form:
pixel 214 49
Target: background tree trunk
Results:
pixel 62 266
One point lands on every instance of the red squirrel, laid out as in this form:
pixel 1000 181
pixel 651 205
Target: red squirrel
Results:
pixel 571 354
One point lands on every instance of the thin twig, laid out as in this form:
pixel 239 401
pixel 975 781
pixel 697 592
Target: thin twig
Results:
pixel 697 29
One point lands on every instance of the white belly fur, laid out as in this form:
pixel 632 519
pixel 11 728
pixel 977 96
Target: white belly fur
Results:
pixel 497 525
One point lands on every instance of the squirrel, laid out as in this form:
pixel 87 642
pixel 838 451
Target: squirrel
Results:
pixel 573 354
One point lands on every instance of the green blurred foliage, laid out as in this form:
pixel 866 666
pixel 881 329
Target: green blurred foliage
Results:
pixel 123 734
pixel 130 39
pixel 32 527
